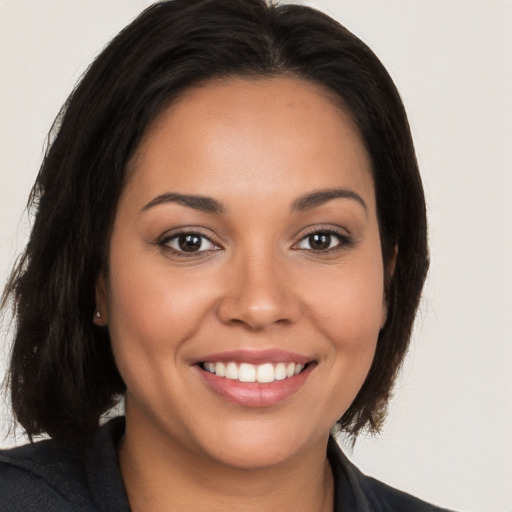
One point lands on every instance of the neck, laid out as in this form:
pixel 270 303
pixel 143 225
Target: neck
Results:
pixel 161 475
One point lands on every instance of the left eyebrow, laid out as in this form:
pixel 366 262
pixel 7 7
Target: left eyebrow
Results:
pixel 202 203
pixel 317 198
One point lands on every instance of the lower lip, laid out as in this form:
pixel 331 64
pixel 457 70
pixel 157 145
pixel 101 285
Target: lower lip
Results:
pixel 255 394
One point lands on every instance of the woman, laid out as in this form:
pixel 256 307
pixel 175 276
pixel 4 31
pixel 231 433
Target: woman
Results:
pixel 230 232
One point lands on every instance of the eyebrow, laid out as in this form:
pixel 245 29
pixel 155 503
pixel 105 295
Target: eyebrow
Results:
pixel 201 203
pixel 209 205
pixel 314 199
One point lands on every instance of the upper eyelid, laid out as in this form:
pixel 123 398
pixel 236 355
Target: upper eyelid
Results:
pixel 337 230
pixel 173 233
pixel 164 243
pixel 345 239
pixel 185 233
pixel 303 233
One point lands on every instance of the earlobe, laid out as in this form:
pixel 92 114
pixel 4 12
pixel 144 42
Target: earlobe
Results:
pixel 100 317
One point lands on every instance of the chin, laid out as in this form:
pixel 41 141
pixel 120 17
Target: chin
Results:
pixel 261 445
pixel 248 454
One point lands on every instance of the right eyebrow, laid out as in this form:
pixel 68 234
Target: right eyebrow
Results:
pixel 202 203
pixel 319 197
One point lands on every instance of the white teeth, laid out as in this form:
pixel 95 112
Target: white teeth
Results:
pixel 245 372
pixel 280 371
pixel 232 371
pixel 265 373
pixel 219 369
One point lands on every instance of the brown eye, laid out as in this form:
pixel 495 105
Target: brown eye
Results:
pixel 189 243
pixel 319 241
pixel 323 241
pixel 184 243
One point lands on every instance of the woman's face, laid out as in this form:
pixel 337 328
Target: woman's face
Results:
pixel 245 290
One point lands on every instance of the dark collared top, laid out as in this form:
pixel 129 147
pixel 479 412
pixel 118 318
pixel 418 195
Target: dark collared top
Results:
pixel 49 478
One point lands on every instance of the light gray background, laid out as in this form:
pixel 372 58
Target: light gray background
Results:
pixel 449 434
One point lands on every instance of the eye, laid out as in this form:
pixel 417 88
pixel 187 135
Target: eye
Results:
pixel 323 241
pixel 188 243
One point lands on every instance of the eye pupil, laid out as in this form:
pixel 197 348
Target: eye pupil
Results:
pixel 319 241
pixel 189 243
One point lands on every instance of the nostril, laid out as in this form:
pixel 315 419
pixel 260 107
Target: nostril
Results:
pixel 257 314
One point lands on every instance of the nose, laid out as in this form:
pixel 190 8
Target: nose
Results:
pixel 259 294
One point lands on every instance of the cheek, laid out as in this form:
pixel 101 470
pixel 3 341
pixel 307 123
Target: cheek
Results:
pixel 347 309
pixel 349 306
pixel 344 307
pixel 352 327
pixel 152 313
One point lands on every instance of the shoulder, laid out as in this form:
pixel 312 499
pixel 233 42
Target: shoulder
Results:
pixel 394 500
pixel 49 477
pixel 40 476
pixel 358 492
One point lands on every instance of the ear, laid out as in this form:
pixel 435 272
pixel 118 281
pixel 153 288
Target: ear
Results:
pixel 101 314
pixel 389 271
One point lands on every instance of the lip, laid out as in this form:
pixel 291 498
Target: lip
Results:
pixel 255 357
pixel 255 394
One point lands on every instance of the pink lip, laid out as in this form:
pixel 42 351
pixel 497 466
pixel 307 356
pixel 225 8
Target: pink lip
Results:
pixel 255 357
pixel 255 394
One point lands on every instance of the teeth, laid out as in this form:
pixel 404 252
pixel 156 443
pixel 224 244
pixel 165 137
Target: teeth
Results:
pixel 219 369
pixel 265 373
pixel 246 372
pixel 232 371
pixel 280 371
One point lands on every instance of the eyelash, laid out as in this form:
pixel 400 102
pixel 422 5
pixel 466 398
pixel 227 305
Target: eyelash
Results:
pixel 164 244
pixel 344 241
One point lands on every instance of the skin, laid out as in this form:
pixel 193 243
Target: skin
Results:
pixel 255 146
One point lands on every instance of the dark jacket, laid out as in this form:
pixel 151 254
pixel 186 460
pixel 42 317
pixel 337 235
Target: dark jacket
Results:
pixel 45 477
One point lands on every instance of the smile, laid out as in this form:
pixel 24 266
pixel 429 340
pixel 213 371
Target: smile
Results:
pixel 246 372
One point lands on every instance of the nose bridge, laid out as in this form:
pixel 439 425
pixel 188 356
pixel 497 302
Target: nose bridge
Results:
pixel 259 293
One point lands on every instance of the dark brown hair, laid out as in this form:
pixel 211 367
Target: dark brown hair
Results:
pixel 62 373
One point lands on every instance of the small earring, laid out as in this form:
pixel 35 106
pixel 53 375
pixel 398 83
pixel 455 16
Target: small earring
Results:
pixel 97 314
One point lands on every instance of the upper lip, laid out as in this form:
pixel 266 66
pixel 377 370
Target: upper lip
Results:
pixel 255 357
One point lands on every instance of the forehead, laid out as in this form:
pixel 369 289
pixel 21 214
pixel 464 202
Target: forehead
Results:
pixel 247 134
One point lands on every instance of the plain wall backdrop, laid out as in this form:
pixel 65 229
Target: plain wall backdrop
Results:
pixel 448 438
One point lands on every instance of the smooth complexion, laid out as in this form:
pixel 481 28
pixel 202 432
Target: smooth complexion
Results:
pixel 272 185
